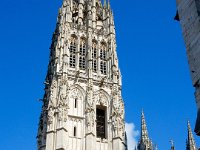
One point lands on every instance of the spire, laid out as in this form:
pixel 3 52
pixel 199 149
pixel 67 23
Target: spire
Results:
pixel 145 142
pixel 156 147
pixel 144 132
pixel 105 3
pixel 190 140
pixel 172 145
pixel 108 4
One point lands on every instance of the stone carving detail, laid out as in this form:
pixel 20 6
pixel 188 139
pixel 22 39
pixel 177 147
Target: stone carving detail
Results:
pixel 76 94
pixel 75 119
pixel 116 122
pixel 90 109
pixel 50 117
pixel 114 90
pixel 101 99
pixel 51 104
pixel 115 71
pixel 63 103
pixel 52 94
pixel 62 112
pixel 118 118
pixel 90 116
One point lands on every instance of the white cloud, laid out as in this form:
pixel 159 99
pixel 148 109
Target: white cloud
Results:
pixel 132 135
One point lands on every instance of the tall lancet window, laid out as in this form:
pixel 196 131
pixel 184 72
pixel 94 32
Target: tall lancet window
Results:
pixel 82 54
pixel 94 56
pixel 72 50
pixel 103 63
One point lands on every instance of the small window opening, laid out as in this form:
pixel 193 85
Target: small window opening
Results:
pixel 75 103
pixel 74 131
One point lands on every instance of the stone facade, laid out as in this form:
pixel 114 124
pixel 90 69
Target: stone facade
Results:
pixel 189 16
pixel 83 75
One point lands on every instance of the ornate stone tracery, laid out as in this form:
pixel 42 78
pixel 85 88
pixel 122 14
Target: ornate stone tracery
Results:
pixel 75 93
pixel 102 98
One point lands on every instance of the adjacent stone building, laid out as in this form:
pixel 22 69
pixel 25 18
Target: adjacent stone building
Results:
pixel 189 16
pixel 83 107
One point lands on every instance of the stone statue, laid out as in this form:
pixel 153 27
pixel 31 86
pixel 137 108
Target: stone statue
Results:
pixel 50 117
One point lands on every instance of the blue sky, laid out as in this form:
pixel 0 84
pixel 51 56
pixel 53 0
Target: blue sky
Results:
pixel 152 59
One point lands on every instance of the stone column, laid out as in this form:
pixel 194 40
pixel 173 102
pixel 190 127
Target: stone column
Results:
pixel 90 110
pixel 77 53
pixel 94 14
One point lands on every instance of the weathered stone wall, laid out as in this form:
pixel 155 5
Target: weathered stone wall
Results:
pixel 189 15
pixel 190 22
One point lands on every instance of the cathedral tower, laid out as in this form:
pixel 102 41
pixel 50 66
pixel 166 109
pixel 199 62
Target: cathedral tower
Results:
pixel 82 105
pixel 145 143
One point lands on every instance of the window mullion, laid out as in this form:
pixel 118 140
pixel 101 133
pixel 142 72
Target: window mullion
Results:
pixel 98 59
pixel 77 53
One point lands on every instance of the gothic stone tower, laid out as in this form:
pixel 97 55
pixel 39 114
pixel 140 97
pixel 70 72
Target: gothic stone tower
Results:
pixel 82 105
pixel 189 16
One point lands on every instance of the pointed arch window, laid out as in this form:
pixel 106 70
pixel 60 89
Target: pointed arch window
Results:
pixel 72 50
pixel 82 54
pixel 103 62
pixel 94 57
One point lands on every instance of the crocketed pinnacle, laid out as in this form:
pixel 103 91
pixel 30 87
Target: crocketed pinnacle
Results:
pixel 190 140
pixel 144 132
pixel 108 4
pixel 145 143
pixel 105 3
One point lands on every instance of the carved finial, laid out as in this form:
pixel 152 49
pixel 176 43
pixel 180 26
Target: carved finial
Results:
pixel 156 147
pixel 108 4
pixel 172 145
